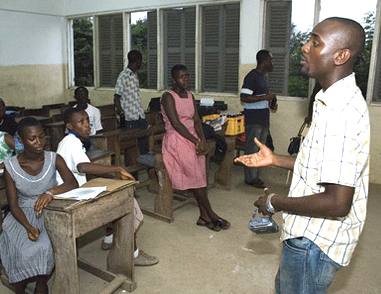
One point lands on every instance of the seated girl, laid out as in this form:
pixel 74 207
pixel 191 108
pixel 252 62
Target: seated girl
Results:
pixel 25 249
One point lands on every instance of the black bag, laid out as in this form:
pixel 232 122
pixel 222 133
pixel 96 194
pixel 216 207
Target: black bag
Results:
pixel 293 147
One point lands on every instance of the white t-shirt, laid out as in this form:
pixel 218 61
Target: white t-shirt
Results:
pixel 94 118
pixel 72 151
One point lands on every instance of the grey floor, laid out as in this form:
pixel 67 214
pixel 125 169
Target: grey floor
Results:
pixel 196 260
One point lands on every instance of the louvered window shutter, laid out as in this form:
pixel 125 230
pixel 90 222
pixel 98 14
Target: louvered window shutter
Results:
pixel 110 48
pixel 152 50
pixel 179 42
pixel 220 56
pixel 278 26
pixel 211 77
pixel 231 53
pixel 377 80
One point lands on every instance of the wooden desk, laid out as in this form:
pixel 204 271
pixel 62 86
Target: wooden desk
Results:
pixel 120 141
pixel 65 222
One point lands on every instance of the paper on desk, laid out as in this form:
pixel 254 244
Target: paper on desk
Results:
pixel 82 193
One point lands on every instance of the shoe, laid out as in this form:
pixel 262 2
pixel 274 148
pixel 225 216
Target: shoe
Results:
pixel 144 259
pixel 257 183
pixel 211 225
pixel 107 242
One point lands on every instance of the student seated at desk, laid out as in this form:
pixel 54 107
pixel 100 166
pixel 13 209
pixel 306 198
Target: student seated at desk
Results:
pixel 72 150
pixel 30 177
pixel 81 94
pixel 7 123
pixel 7 145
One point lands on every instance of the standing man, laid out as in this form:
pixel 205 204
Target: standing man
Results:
pixel 255 96
pixel 325 210
pixel 127 97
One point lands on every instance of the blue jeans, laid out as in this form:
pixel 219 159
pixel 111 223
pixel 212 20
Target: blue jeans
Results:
pixel 304 268
pixel 252 131
pixel 141 123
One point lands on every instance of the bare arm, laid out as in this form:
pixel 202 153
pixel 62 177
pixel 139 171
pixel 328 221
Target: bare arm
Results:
pixel 10 141
pixel 16 211
pixel 117 103
pixel 254 98
pixel 265 157
pixel 170 110
pixel 334 202
pixel 69 183
pixel 100 169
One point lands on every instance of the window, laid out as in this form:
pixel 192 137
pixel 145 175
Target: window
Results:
pixel 139 41
pixel 364 13
pixel 152 50
pixel 179 42
pixel 277 29
pixel 220 48
pixel 83 51
pixel 110 33
pixel 377 81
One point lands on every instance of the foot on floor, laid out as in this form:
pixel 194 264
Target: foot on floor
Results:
pixel 145 259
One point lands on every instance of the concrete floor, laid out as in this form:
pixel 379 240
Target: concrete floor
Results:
pixel 194 259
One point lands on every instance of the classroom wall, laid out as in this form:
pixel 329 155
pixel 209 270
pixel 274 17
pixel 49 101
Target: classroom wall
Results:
pixel 32 58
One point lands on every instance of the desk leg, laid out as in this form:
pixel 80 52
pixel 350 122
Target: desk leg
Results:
pixel 164 197
pixel 120 258
pixel 61 232
pixel 223 173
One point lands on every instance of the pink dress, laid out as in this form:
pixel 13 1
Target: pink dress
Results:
pixel 185 168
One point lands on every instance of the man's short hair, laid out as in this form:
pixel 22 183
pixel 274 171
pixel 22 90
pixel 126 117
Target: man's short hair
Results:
pixel 176 68
pixel 354 34
pixel 68 113
pixel 81 92
pixel 26 123
pixel 134 56
pixel 262 55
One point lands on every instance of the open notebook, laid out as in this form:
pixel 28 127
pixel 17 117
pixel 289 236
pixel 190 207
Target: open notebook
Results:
pixel 82 193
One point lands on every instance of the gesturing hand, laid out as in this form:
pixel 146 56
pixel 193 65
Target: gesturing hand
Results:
pixel 264 157
pixel 42 202
pixel 33 234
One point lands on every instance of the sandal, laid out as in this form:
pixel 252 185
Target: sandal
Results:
pixel 222 223
pixel 209 224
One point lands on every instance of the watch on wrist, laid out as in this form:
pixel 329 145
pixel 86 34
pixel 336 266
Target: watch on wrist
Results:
pixel 269 207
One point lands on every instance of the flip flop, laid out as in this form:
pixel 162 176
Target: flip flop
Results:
pixel 222 223
pixel 209 224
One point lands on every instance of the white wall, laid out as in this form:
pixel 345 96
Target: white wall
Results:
pixel 53 7
pixel 75 7
pixel 31 38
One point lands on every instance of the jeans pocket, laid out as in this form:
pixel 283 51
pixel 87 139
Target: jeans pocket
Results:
pixel 300 245
pixel 327 270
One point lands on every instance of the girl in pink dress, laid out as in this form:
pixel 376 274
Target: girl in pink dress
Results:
pixel 184 147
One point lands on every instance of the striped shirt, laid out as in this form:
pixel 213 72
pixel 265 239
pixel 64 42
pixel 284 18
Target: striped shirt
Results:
pixel 127 87
pixel 336 151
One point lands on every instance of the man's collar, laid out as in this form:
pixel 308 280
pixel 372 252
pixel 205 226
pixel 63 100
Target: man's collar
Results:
pixel 333 96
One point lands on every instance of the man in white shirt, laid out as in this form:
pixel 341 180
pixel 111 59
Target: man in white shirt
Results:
pixel 81 94
pixel 325 210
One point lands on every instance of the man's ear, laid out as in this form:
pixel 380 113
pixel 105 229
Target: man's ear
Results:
pixel 342 56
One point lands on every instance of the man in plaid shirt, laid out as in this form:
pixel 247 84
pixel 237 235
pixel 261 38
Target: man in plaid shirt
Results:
pixel 325 210
pixel 127 99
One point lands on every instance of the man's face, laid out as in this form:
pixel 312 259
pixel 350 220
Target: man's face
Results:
pixel 269 63
pixel 319 52
pixel 79 123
